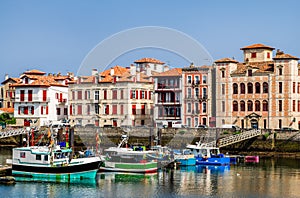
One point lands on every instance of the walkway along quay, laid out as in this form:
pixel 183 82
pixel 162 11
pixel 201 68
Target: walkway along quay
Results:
pixel 272 143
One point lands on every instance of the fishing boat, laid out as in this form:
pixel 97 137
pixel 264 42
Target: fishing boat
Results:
pixel 185 158
pixel 208 155
pixel 252 159
pixel 127 159
pixel 52 162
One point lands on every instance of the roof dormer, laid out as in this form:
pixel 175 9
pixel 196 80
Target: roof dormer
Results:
pixel 257 53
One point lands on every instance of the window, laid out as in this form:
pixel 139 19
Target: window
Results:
pixel 189 107
pixel 97 95
pixel 279 105
pixel 97 108
pixel 280 87
pixel 79 95
pixel 280 123
pixel 197 108
pixel 44 95
pixel 298 105
pixel 115 94
pixel 243 88
pixel 22 154
pixel 235 106
pixel 197 81
pixel 265 87
pixel 250 105
pixel 223 89
pixel 188 122
pixel 143 112
pixel 29 95
pixel 106 109
pixel 79 110
pixel 235 88
pixel 280 71
pixel 204 121
pixel 249 72
pixel 242 105
pixel 294 87
pixel 22 95
pixel 268 55
pixel 38 157
pixel 65 111
pixel 57 111
pixel 253 55
pixel 189 94
pixel 204 109
pixel 223 106
pixel 87 95
pixel 132 94
pixel 189 80
pixel 265 105
pixel 197 92
pixel 196 122
pixel 265 123
pixel 250 88
pixel 294 105
pixel 105 94
pixel 204 92
pixel 114 109
pixel 257 87
pixel 223 74
pixel 122 96
pixel 133 109
pixel 257 105
pixel 204 79
pixel 88 110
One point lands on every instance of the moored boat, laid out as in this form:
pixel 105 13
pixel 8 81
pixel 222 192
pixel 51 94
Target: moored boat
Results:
pixel 52 162
pixel 186 158
pixel 252 159
pixel 208 155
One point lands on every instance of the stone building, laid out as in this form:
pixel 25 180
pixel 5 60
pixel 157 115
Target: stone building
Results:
pixel 263 91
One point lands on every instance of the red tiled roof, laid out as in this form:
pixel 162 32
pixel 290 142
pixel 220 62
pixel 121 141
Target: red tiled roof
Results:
pixel 262 67
pixel 257 46
pixel 16 80
pixel 226 60
pixel 171 72
pixel 149 60
pixel 45 81
pixel 7 110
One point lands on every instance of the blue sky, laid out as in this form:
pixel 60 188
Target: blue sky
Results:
pixel 55 36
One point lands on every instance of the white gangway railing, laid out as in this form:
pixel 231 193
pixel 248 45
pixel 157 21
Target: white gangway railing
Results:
pixel 12 132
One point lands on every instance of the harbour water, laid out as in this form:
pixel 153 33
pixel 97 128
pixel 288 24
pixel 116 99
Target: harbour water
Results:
pixel 268 178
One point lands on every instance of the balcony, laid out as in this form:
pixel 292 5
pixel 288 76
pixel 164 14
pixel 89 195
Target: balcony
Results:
pixel 62 100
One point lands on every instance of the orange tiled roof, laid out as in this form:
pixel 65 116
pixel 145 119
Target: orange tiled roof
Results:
pixel 35 72
pixel 7 110
pixel 118 71
pixel 257 46
pixel 226 60
pixel 16 80
pixel 281 55
pixel 149 60
pixel 262 67
pixel 171 72
pixel 40 81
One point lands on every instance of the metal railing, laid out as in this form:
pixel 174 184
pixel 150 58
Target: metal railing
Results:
pixel 12 132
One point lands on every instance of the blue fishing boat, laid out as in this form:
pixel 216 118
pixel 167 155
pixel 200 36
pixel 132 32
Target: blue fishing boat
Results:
pixel 186 158
pixel 208 155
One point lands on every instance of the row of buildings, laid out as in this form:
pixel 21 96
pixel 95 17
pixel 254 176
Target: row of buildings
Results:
pixel 262 91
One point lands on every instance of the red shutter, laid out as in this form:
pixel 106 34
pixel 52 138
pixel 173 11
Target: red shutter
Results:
pixel 60 97
pixel 105 94
pixel 133 109
pixel 122 111
pixel 130 94
pixel 32 110
pixel 149 95
pixel 47 110
pixel 42 110
pixel 44 95
pixel 137 94
pixel 140 94
pixel 26 110
pixel 29 95
pixel 71 110
pixel 19 110
pixel 145 94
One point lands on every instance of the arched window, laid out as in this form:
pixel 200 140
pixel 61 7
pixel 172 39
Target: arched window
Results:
pixel 257 87
pixel 250 105
pixel 250 88
pixel 265 87
pixel 242 105
pixel 243 90
pixel 235 88
pixel 265 105
pixel 257 105
pixel 235 106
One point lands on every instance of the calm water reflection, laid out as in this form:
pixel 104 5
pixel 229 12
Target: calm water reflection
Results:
pixel 269 178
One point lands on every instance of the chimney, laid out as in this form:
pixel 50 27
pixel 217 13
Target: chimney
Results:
pixel 132 70
pixel 112 71
pixel 94 72
pixel 6 76
pixel 166 68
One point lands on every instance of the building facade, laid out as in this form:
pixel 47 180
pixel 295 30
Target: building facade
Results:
pixel 196 94
pixel 40 99
pixel 263 91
